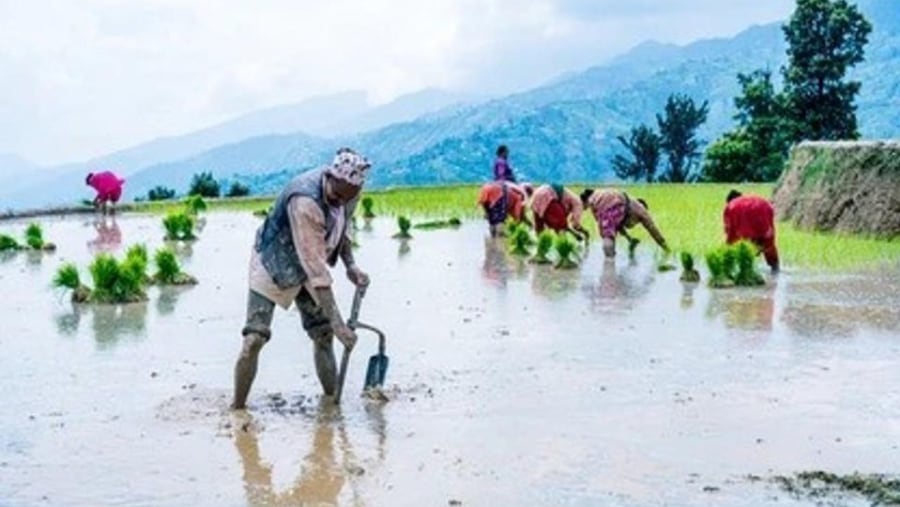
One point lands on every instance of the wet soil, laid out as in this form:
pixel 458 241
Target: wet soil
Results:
pixel 510 383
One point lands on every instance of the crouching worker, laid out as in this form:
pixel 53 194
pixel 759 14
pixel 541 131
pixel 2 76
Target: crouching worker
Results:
pixel 305 232
pixel 559 209
pixel 616 212
pixel 108 187
pixel 752 218
pixel 500 200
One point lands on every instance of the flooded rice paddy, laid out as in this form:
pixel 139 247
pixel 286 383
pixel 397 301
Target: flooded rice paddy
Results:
pixel 510 384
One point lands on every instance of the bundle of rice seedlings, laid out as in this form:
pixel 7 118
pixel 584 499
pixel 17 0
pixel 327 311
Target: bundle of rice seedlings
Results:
pixel 544 245
pixel 168 271
pixel 689 273
pixel 566 252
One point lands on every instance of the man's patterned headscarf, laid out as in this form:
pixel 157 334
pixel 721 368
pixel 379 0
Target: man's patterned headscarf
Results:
pixel 349 166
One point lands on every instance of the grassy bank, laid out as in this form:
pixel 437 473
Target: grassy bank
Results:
pixel 689 216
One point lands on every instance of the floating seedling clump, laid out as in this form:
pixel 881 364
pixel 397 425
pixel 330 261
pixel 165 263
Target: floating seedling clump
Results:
pixel 367 203
pixel 179 227
pixel 67 277
pixel 747 275
pixel 195 205
pixel 520 240
pixel 34 238
pixel 732 265
pixel 663 263
pixel 404 224
pixel 9 243
pixel 544 245
pixel 450 223
pixel 718 275
pixel 168 271
pixel 566 252
pixel 688 273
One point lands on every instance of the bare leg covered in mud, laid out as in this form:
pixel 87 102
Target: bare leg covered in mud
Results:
pixel 256 334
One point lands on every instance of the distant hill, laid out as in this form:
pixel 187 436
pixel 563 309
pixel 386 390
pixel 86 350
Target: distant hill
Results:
pixel 562 131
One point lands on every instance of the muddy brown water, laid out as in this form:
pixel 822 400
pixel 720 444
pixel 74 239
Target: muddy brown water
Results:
pixel 511 384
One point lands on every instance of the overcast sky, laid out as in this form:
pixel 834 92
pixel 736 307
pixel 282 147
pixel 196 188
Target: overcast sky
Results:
pixel 80 78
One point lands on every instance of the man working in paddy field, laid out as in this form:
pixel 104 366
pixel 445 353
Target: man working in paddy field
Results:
pixel 559 209
pixel 305 231
pixel 500 200
pixel 615 212
pixel 751 217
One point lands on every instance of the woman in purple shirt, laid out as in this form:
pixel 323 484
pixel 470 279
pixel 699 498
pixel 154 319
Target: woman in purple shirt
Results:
pixel 502 169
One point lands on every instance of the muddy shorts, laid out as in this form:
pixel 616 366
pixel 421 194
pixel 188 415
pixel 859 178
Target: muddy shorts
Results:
pixel 260 311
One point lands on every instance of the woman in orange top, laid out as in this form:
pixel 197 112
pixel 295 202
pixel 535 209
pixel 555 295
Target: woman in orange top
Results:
pixel 501 199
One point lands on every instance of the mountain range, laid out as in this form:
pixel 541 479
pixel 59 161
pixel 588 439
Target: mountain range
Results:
pixel 563 131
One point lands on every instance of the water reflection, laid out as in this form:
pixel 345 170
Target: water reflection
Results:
pixel 67 323
pixel 553 283
pixel 168 299
pixel 110 323
pixel 183 249
pixel 687 294
pixel 495 269
pixel 113 322
pixel 838 319
pixel 109 235
pixel 618 289
pixel 321 477
pixel 33 259
pixel 742 308
pixel 7 255
pixel 404 248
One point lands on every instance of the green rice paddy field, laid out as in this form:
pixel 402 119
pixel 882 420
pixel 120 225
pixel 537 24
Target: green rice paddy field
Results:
pixel 689 216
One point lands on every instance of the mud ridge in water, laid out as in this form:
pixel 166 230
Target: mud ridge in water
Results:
pixel 824 486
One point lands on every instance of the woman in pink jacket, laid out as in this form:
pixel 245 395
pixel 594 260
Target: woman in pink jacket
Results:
pixel 108 187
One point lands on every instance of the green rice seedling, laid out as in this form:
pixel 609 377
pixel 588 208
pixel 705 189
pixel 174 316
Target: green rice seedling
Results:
pixel 544 245
pixel 195 205
pixel 729 262
pixel 138 254
pixel 747 275
pixel 8 243
pixel 663 263
pixel 168 271
pixel 718 275
pixel 116 282
pixel 179 226
pixel 566 252
pixel 403 223
pixel 367 203
pixel 67 277
pixel 520 240
pixel 34 236
pixel 689 273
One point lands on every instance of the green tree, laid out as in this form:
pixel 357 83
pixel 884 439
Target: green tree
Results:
pixel 678 133
pixel 642 160
pixel 825 39
pixel 203 184
pixel 757 149
pixel 160 193
pixel 238 190
pixel 730 158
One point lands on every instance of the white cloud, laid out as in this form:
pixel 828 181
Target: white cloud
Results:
pixel 80 78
